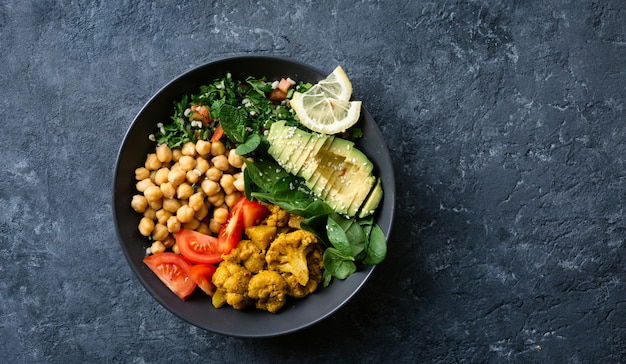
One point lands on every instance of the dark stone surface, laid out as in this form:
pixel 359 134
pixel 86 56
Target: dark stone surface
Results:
pixel 506 124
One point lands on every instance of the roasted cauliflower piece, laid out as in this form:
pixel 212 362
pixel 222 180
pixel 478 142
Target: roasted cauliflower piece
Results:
pixel 277 217
pixel 294 255
pixel 231 281
pixel 261 235
pixel 269 289
pixel 248 255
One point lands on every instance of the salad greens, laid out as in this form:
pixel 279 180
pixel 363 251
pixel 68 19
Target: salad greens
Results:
pixel 244 111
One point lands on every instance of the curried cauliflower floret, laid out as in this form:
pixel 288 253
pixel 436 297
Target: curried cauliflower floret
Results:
pixel 295 255
pixel 231 281
pixel 277 217
pixel 248 255
pixel 269 289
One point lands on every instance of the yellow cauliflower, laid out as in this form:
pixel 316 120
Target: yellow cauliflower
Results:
pixel 295 256
pixel 248 255
pixel 277 217
pixel 269 289
pixel 231 280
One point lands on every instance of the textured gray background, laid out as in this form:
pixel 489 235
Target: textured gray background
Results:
pixel 506 125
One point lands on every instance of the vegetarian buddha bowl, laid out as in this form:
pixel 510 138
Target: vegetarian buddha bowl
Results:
pixel 202 184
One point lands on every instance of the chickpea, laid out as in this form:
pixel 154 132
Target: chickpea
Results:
pixel 150 213
pixel 203 228
pixel 175 249
pixel 173 225
pixel 202 165
pixel 143 184
pixel 171 204
pixel 184 191
pixel 168 189
pixel 184 214
pixel 213 174
pixel 209 187
pixel 231 199
pixel 203 147
pixel 214 226
pixel 146 226
pixel 152 162
pixel 189 149
pixel 161 176
pixel 160 232
pixel 169 241
pixel 153 193
pixel 217 148
pixel 157 247
pixel 227 183
pixel 196 201
pixel 176 154
pixel 139 203
pixel 193 176
pixel 216 199
pixel 176 176
pixel 164 153
pixel 156 205
pixel 163 215
pixel 221 162
pixel 203 212
pixel 192 225
pixel 142 173
pixel 239 184
pixel 235 159
pixel 187 162
pixel 220 215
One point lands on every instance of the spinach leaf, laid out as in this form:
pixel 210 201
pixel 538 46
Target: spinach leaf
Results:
pixel 337 236
pixel 377 247
pixel 338 264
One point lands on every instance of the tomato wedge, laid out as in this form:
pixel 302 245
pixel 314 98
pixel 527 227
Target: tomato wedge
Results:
pixel 199 248
pixel 173 271
pixel 253 213
pixel 230 233
pixel 202 274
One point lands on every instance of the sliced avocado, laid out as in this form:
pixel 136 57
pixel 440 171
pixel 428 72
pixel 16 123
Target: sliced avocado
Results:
pixel 295 141
pixel 331 167
pixel 373 200
pixel 310 165
pixel 351 189
pixel 275 137
pixel 363 190
pixel 312 148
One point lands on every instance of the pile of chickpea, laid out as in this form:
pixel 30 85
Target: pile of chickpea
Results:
pixel 192 187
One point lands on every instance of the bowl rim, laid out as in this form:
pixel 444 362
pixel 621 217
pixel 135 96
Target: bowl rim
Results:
pixel 365 273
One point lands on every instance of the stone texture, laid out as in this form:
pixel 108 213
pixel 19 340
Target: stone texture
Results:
pixel 505 121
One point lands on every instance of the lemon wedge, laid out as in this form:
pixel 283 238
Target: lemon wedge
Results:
pixel 325 108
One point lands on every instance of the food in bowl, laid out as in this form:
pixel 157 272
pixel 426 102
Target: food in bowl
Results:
pixel 212 180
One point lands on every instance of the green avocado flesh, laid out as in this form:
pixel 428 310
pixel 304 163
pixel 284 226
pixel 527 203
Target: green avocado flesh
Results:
pixel 333 168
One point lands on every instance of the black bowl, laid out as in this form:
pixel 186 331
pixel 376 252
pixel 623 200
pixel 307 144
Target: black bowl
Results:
pixel 197 310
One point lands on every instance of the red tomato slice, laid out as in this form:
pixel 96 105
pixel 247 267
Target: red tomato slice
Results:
pixel 173 271
pixel 231 231
pixel 217 134
pixel 198 247
pixel 253 213
pixel 202 274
